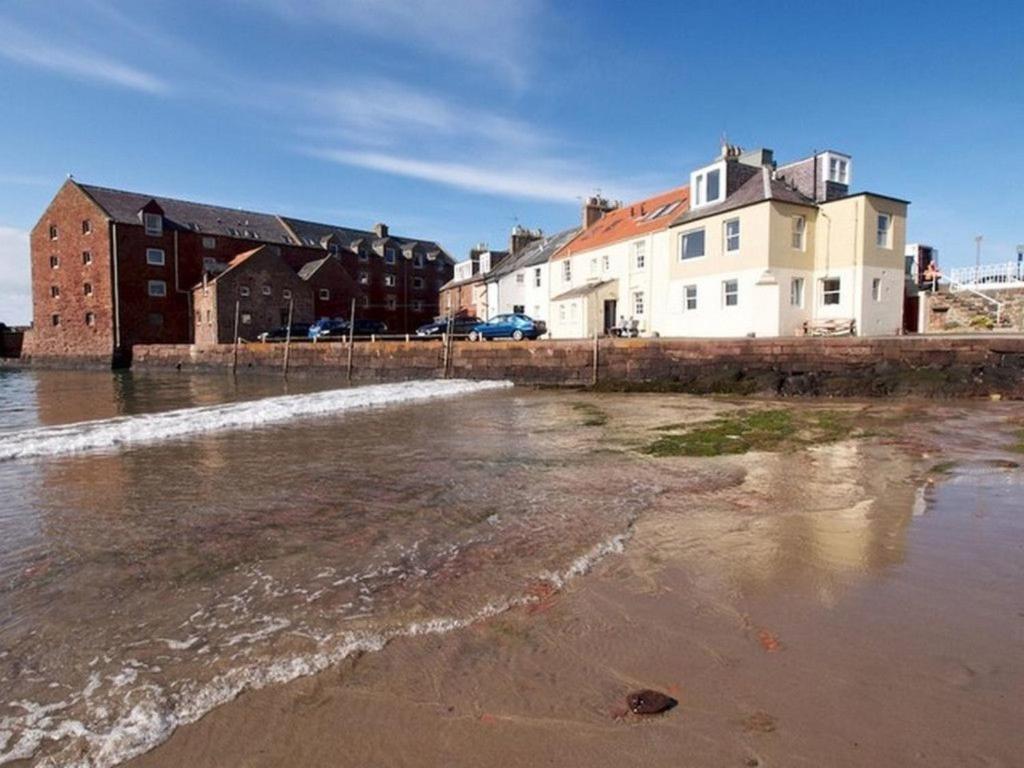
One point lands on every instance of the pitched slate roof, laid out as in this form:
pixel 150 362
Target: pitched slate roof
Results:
pixel 537 252
pixel 758 188
pixel 649 215
pixel 123 207
pixel 315 233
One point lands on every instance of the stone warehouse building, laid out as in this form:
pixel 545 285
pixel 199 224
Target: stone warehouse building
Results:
pixel 112 269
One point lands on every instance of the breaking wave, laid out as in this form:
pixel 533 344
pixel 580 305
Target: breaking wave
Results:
pixel 113 433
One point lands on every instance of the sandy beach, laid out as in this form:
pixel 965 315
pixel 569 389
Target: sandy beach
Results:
pixel 854 603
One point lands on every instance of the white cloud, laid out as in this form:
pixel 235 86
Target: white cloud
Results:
pixel 15 290
pixel 543 181
pixel 67 59
pixel 379 112
pixel 497 35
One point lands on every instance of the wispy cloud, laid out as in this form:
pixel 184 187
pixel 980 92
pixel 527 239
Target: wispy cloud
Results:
pixel 15 294
pixel 498 35
pixel 65 58
pixel 379 112
pixel 541 181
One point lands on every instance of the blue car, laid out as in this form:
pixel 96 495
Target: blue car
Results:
pixel 514 326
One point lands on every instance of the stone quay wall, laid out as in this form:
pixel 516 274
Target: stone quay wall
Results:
pixel 938 366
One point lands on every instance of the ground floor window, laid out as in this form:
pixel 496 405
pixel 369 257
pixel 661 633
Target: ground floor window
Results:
pixel 690 297
pixel 561 312
pixel 876 289
pixel 830 291
pixel 518 309
pixel 246 318
pixel 796 292
pixel 638 302
pixel 730 293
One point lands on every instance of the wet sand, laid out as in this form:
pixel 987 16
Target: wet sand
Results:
pixel 856 603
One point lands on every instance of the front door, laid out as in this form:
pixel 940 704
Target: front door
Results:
pixel 609 314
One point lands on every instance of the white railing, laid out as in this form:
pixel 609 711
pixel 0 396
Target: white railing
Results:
pixel 988 276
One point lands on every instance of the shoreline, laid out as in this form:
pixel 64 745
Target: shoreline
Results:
pixel 686 609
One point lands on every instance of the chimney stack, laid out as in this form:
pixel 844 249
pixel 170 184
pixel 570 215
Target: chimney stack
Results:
pixel 595 208
pixel 522 237
pixel 381 229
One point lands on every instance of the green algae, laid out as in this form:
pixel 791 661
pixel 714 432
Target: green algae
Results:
pixel 745 431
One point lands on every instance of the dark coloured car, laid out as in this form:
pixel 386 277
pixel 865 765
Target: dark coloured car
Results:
pixel 514 326
pixel 461 326
pixel 299 331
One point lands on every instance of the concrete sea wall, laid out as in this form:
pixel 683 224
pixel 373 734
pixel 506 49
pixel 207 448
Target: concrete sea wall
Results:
pixel 932 366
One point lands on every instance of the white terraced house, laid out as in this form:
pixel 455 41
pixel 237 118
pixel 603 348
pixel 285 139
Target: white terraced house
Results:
pixel 521 283
pixel 746 248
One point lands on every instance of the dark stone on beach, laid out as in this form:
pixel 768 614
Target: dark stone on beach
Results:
pixel 650 703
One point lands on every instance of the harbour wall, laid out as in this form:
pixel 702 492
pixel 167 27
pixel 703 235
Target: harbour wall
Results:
pixel 940 366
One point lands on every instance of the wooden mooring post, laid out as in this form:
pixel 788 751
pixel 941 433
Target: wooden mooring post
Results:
pixel 288 337
pixel 234 350
pixel 351 340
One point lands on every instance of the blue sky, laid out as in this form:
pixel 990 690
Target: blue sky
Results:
pixel 455 119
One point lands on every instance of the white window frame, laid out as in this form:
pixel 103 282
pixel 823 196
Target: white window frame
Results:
pixel 324 294
pixel 364 278
pixel 883 235
pixel 682 244
pixel 156 257
pixel 153 223
pixel 536 277
pixel 797 287
pixel 876 290
pixel 567 271
pixel 561 312
pixel 267 290
pixel 520 278
pixel 687 298
pixel 286 294
pixel 593 267
pixel 243 291
pixel 731 236
pixel 638 303
pixel 734 293
pixel 825 293
pixel 798 233
pixel 161 292
pixel 699 185
pixel 606 263
pixel 640 254
pixel 390 280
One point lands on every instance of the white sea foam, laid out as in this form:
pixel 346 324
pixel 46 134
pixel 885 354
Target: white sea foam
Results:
pixel 152 721
pixel 113 433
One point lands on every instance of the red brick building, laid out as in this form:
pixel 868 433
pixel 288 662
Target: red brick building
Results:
pixel 262 286
pixel 111 269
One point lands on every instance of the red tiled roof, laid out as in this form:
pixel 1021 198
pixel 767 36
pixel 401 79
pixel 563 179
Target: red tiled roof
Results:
pixel 629 221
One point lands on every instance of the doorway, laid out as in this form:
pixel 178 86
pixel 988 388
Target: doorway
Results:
pixel 610 305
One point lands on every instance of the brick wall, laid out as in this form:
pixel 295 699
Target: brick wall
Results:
pixel 927 366
pixel 77 322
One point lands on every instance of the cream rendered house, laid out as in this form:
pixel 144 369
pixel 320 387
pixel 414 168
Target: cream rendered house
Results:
pixel 779 251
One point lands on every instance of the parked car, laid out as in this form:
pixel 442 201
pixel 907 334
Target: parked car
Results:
pixel 326 327
pixel 337 328
pixel 461 326
pixel 299 331
pixel 514 326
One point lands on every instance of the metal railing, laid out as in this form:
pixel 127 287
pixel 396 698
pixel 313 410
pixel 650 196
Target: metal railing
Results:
pixel 1009 274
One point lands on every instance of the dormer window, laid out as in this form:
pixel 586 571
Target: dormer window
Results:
pixel 839 169
pixel 154 224
pixel 707 185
